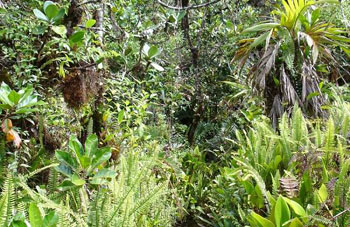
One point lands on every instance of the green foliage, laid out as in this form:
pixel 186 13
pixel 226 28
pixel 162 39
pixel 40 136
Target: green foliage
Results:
pixel 296 45
pixel 84 163
pixel 52 13
pixel 168 131
pixel 282 215
pixel 18 104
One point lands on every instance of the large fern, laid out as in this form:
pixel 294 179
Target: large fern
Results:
pixel 7 201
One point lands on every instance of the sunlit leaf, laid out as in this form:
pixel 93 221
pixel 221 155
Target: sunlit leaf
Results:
pixel 60 30
pixel 281 212
pixel 262 221
pixel 90 23
pixel 322 193
pixel 51 11
pixel 35 217
pixel 40 15
pixel 157 67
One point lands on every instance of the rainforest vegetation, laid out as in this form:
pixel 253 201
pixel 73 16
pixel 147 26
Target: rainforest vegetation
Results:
pixel 171 113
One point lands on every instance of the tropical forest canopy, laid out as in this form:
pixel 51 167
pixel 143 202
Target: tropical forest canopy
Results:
pixel 161 113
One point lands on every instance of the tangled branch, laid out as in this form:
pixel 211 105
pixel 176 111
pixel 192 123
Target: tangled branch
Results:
pixel 188 7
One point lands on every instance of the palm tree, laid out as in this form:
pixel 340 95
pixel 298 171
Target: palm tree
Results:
pixel 298 52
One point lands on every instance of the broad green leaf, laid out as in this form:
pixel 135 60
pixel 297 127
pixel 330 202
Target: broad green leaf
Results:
pixel 105 173
pixel 90 23
pixel 76 180
pixel 40 15
pixel 262 221
pixel 64 169
pixel 157 67
pixel 323 193
pixel 51 11
pixel 28 102
pixel 20 223
pixel 14 97
pixel 91 145
pixel 28 91
pixel 153 51
pixel 281 212
pixel 76 147
pixel 85 161
pixel 67 159
pixel 39 30
pixel 77 37
pixel 261 27
pixel 35 217
pixel 46 4
pixel 296 207
pixel 4 93
pixel 59 15
pixel 296 223
pixel 101 156
pixel 60 30
pixel 51 219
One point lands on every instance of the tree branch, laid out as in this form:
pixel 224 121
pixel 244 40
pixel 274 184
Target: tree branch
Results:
pixel 117 29
pixel 87 2
pixel 2 5
pixel 188 7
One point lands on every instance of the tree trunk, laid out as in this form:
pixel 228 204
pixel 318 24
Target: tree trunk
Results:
pixel 99 21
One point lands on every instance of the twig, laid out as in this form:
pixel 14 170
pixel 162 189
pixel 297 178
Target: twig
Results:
pixel 188 7
pixel 84 66
pixel 341 213
pixel 93 28
pixel 87 2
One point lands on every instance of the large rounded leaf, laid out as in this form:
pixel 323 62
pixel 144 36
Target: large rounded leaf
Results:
pixel 46 4
pixel 101 156
pixel 67 159
pixel 35 217
pixel 77 37
pixel 91 145
pixel 262 221
pixel 60 30
pixel 282 212
pixel 75 146
pixel 51 219
pixel 51 11
pixel 76 180
pixel 40 15
pixel 296 207
pixel 90 23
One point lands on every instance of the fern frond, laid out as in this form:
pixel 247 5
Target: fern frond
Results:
pixel 7 201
